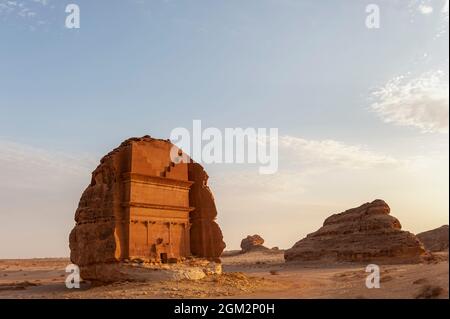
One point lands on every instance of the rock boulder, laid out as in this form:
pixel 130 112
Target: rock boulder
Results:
pixel 251 243
pixel 362 234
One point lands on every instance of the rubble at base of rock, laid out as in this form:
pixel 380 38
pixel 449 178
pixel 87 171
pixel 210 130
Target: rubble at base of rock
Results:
pixel 138 270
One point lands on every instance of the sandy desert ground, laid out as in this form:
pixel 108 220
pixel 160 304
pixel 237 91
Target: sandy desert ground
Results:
pixel 260 274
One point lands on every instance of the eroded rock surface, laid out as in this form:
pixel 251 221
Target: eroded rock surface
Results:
pixel 364 233
pixel 436 239
pixel 206 236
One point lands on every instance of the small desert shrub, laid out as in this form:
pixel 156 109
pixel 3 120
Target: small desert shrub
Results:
pixel 420 281
pixel 430 292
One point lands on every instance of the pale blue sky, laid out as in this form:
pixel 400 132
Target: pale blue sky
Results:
pixel 306 67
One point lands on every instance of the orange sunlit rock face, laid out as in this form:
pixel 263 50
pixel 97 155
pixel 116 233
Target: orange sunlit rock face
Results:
pixel 364 233
pixel 140 204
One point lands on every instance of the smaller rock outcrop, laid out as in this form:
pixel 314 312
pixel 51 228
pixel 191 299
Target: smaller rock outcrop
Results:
pixel 436 239
pixel 251 243
pixel 361 234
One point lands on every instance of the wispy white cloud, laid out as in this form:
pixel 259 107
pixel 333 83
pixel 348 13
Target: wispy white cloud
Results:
pixel 437 9
pixel 331 154
pixel 421 102
pixel 444 20
pixel 302 162
pixel 39 193
pixel 425 9
pixel 42 2
pixel 22 9
pixel 25 167
pixel 445 7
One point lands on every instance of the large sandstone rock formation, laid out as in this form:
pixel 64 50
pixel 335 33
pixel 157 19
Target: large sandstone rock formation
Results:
pixel 140 205
pixel 364 233
pixel 206 236
pixel 436 239
pixel 251 243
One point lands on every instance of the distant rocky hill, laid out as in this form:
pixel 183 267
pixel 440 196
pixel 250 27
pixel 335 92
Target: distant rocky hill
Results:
pixel 251 243
pixel 435 239
pixel 364 233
